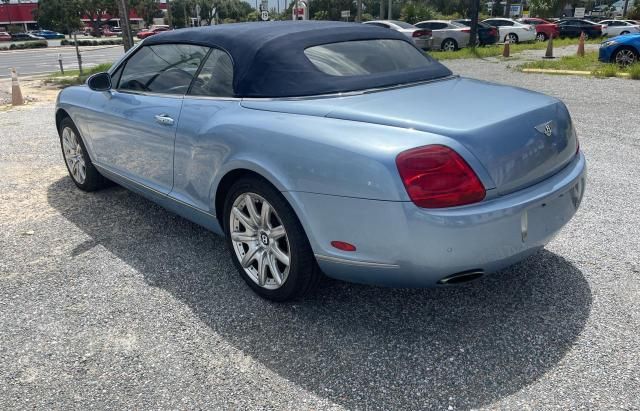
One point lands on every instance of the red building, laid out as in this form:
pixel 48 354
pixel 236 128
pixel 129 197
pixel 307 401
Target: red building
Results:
pixel 21 12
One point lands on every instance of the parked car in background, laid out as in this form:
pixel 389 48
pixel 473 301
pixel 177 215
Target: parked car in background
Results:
pixel 421 37
pixel 512 30
pixel 327 147
pixel 620 27
pixel 47 34
pixel 143 34
pixel 621 50
pixel 446 35
pixel 487 34
pixel 25 37
pixel 574 27
pixel 107 31
pixel 4 36
pixel 544 29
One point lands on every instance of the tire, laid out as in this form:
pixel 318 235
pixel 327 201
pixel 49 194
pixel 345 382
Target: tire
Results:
pixel 624 32
pixel 541 37
pixel 512 37
pixel 262 245
pixel 74 152
pixel 625 56
pixel 449 45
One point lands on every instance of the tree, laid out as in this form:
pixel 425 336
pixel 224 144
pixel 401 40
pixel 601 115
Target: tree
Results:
pixel 95 10
pixel 147 9
pixel 59 15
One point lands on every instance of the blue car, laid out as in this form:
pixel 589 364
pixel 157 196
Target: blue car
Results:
pixel 48 34
pixel 328 147
pixel 622 50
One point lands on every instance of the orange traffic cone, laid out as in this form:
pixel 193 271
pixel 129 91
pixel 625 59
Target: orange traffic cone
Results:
pixel 549 53
pixel 16 93
pixel 581 45
pixel 506 51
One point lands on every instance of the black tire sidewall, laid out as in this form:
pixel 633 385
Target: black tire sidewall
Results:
pixel 302 261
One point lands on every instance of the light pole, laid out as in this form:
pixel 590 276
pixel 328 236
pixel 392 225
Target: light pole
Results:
pixel 389 11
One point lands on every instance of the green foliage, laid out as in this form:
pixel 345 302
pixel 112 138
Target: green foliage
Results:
pixel 634 71
pixel 59 15
pixel 147 9
pixel 321 15
pixel 111 42
pixel 26 45
pixel 606 70
pixel 413 12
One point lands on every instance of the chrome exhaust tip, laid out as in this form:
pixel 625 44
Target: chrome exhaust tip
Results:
pixel 462 277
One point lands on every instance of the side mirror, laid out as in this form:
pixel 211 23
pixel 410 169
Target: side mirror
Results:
pixel 99 82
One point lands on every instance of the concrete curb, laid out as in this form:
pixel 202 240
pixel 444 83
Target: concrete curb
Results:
pixel 568 72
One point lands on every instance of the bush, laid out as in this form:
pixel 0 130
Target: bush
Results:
pixel 111 42
pixel 28 45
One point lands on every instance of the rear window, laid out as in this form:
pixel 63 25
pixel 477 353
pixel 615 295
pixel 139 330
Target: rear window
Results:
pixel 362 57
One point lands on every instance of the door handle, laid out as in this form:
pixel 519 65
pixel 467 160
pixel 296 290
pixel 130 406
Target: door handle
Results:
pixel 164 119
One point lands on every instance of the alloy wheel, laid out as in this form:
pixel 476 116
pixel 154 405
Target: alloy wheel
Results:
pixel 512 38
pixel 625 57
pixel 540 37
pixel 260 241
pixel 73 155
pixel 449 45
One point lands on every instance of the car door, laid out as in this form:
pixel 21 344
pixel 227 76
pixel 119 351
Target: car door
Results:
pixel 204 138
pixel 134 133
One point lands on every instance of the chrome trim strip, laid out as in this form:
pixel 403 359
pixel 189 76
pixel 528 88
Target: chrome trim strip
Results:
pixel 351 93
pixel 354 262
pixel 156 192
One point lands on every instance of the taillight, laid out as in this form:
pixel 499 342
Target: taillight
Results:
pixel 420 33
pixel 435 176
pixel 466 30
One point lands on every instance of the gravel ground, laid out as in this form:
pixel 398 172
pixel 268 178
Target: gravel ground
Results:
pixel 109 301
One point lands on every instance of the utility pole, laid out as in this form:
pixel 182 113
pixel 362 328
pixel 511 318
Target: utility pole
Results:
pixel 127 38
pixel 473 35
pixel 389 11
pixel 359 12
pixel 626 7
pixel 381 9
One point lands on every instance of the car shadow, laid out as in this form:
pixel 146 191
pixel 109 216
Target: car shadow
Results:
pixel 358 346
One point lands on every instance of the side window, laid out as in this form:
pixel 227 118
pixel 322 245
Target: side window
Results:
pixel 162 68
pixel 115 77
pixel 216 77
pixel 439 26
pixel 507 23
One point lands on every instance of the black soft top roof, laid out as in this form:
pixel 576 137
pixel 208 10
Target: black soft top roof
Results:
pixel 269 59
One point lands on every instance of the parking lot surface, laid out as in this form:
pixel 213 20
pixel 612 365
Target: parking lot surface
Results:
pixel 42 61
pixel 109 301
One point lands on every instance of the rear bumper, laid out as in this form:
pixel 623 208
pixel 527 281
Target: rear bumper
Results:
pixel 399 244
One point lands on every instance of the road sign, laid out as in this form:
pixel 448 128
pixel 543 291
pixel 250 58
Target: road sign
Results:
pixel 264 15
pixel 579 12
pixel 345 14
pixel 264 5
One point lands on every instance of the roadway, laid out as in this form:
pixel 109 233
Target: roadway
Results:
pixel 44 61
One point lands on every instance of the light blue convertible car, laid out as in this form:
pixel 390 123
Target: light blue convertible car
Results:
pixel 325 147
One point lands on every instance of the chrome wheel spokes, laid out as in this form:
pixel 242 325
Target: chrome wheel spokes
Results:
pixel 625 57
pixel 72 151
pixel 260 241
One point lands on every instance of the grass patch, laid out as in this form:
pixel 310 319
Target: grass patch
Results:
pixel 73 77
pixel 634 71
pixel 588 63
pixel 495 50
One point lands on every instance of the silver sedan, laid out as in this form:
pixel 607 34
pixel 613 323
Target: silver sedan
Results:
pixel 446 35
pixel 421 37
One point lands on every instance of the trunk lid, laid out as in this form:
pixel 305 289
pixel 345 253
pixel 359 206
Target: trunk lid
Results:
pixel 504 127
